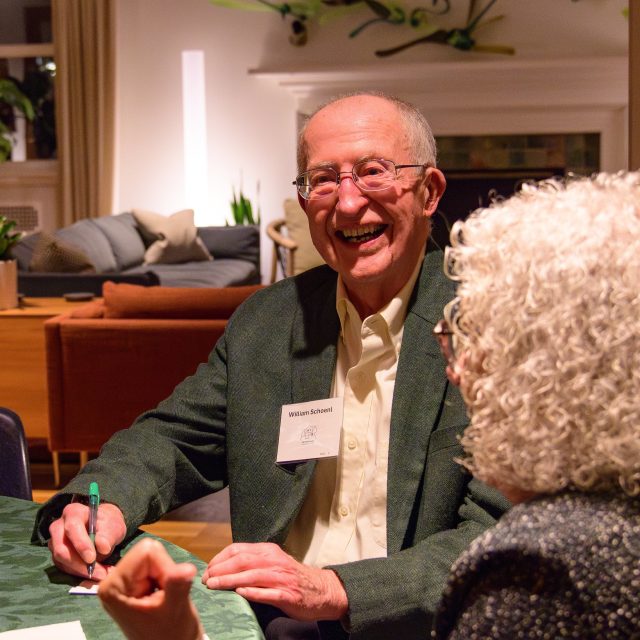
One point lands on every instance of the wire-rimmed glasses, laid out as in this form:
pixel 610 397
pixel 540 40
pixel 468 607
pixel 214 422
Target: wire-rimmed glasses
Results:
pixel 443 331
pixel 374 174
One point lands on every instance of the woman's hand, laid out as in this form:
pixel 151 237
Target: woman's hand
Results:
pixel 147 594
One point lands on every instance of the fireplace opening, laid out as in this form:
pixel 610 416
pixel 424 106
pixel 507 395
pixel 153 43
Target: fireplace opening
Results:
pixel 479 169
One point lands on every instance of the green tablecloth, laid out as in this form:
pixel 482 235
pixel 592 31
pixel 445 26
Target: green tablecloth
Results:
pixel 34 593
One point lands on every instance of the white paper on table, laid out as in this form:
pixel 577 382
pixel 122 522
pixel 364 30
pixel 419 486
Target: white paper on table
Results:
pixel 60 631
pixel 85 588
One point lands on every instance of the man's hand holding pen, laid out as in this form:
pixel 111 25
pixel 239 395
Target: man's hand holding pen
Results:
pixel 94 504
pixel 71 547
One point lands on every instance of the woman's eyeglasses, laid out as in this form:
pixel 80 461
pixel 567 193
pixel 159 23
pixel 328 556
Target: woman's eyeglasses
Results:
pixel 444 334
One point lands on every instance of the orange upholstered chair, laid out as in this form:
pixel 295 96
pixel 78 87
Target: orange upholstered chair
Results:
pixel 112 359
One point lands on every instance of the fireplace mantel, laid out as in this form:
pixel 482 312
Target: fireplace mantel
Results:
pixel 489 97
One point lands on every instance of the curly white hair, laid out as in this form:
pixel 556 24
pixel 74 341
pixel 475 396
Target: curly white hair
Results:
pixel 549 325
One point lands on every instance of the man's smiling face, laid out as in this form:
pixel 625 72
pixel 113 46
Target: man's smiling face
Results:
pixel 373 239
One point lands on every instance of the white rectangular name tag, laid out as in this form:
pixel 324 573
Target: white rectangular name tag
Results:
pixel 310 430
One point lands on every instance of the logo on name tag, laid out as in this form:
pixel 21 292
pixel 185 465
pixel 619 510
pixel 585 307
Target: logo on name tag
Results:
pixel 308 434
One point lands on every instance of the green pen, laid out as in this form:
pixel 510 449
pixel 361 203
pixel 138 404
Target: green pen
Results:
pixel 94 503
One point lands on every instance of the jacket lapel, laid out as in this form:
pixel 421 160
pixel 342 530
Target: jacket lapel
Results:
pixel 313 347
pixel 418 394
pixel 314 338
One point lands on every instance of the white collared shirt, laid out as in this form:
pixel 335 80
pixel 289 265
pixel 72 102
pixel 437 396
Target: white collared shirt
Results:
pixel 344 516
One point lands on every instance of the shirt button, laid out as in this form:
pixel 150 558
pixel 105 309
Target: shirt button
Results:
pixel 344 512
pixel 352 444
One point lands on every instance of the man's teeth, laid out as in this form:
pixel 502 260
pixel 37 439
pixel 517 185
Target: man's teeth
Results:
pixel 365 232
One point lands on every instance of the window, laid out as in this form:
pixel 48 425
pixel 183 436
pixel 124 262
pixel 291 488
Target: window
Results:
pixel 26 58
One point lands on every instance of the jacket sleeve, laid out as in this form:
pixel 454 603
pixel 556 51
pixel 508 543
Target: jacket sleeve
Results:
pixel 171 455
pixel 396 597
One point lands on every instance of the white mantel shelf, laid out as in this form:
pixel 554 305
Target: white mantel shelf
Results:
pixel 497 96
pixel 523 81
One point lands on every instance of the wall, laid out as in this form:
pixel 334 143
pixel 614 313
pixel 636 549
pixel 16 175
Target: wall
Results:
pixel 250 128
pixel 251 119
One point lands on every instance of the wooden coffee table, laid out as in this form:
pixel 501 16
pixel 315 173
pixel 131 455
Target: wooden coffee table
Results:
pixel 23 374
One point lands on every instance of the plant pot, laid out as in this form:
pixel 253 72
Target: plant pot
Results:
pixel 8 284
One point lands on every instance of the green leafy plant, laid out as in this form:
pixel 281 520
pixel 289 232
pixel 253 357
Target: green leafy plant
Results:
pixel 8 237
pixel 242 210
pixel 11 97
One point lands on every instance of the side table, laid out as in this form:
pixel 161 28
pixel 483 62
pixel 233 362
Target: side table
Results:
pixel 23 375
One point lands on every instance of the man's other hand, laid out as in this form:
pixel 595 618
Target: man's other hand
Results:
pixel 264 573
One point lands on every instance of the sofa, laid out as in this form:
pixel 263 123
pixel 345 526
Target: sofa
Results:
pixel 138 248
pixel 113 358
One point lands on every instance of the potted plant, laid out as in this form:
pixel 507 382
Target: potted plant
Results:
pixel 242 210
pixel 8 266
pixel 11 97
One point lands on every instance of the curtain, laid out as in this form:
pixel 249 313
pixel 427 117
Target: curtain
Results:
pixel 84 36
pixel 634 86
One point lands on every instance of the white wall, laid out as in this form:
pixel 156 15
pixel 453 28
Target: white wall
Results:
pixel 250 128
pixel 251 120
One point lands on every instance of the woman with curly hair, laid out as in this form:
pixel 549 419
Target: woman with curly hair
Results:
pixel 544 340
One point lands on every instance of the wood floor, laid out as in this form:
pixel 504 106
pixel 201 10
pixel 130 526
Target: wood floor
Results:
pixel 186 527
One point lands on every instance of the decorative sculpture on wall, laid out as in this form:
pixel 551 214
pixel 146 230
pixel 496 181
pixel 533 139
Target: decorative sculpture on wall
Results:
pixel 300 13
pixel 460 38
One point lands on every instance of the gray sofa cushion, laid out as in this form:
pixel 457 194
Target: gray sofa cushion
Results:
pixel 87 236
pixel 240 242
pixel 125 240
pixel 219 273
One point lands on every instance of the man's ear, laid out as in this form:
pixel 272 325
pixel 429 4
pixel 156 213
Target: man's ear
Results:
pixel 436 184
pixel 303 203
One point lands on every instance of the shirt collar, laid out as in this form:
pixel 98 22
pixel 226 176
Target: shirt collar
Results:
pixel 393 313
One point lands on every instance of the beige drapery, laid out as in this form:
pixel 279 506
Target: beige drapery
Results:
pixel 84 36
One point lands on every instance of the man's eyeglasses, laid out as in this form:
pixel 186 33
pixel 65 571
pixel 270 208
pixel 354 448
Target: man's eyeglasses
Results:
pixel 443 331
pixel 368 175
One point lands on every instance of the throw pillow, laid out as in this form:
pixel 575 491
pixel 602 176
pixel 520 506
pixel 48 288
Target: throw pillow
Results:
pixel 306 255
pixel 89 311
pixel 173 238
pixel 87 236
pixel 49 254
pixel 123 236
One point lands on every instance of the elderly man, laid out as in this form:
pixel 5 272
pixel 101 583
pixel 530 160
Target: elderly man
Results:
pixel 360 540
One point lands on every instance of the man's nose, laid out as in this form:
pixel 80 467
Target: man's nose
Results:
pixel 350 198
